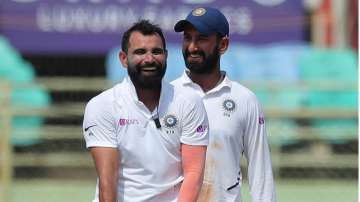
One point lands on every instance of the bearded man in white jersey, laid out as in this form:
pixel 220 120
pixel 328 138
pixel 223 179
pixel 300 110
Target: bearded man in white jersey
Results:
pixel 148 139
pixel 236 120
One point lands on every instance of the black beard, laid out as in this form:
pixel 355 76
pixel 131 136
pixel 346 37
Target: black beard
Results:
pixel 207 66
pixel 146 82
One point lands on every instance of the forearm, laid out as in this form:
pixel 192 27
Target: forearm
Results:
pixel 107 166
pixel 107 189
pixel 260 175
pixel 261 183
pixel 191 187
pixel 193 160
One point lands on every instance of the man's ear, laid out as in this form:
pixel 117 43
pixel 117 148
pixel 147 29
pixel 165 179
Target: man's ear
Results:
pixel 223 45
pixel 123 59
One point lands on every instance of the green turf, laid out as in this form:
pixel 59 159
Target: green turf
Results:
pixel 83 191
pixel 52 191
pixel 314 191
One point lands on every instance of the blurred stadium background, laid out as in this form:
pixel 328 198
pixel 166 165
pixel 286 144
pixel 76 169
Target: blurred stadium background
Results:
pixel 299 56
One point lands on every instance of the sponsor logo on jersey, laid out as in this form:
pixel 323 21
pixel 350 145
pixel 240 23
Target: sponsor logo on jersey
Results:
pixel 261 120
pixel 87 128
pixel 170 121
pixel 229 105
pixel 123 122
pixel 201 128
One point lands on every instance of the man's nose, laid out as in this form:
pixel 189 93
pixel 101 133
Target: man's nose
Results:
pixel 193 46
pixel 149 58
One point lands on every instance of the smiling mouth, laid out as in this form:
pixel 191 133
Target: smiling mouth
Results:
pixel 149 69
pixel 194 58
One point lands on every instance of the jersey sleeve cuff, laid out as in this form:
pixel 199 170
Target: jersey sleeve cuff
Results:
pixel 204 142
pixel 90 144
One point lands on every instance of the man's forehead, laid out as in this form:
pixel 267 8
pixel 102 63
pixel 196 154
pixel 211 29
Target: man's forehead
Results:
pixel 139 39
pixel 136 35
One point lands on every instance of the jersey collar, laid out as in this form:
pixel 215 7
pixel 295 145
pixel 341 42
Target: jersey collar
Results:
pixel 130 89
pixel 186 81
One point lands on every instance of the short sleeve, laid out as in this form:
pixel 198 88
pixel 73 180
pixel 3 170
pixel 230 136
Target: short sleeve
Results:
pixel 99 125
pixel 195 123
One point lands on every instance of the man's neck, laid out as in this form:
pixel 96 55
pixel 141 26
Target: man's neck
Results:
pixel 206 81
pixel 150 97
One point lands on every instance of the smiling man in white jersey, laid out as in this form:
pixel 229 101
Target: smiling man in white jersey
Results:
pixel 237 124
pixel 148 139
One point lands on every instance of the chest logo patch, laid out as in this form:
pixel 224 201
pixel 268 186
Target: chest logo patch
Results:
pixel 170 121
pixel 229 105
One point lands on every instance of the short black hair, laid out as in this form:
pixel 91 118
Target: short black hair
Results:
pixel 145 27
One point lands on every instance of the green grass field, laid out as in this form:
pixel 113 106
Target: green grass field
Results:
pixel 83 191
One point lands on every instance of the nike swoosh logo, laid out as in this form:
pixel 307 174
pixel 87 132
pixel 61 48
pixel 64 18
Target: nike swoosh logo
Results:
pixel 87 128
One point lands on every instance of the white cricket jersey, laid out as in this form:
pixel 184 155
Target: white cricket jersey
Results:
pixel 237 128
pixel 150 162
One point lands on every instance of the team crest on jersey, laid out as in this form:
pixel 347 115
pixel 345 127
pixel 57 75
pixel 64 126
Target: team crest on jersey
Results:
pixel 229 105
pixel 170 121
